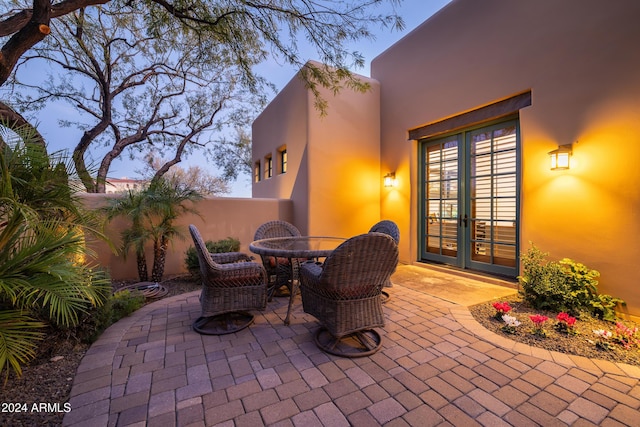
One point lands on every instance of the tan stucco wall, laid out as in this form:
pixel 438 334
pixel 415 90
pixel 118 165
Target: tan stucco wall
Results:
pixel 344 164
pixel 219 218
pixel 284 122
pixel 333 175
pixel 580 60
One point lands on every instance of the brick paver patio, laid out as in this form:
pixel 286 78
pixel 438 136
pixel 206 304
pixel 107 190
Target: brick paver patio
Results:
pixel 437 367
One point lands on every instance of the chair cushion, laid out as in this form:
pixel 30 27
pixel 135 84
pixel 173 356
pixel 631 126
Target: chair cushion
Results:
pixel 273 261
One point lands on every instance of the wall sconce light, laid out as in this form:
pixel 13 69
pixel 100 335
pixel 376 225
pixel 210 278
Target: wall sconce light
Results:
pixel 560 157
pixel 390 179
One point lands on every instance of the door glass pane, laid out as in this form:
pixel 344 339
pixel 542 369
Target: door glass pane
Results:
pixel 505 185
pixel 481 209
pixel 482 144
pixel 504 255
pixel 504 138
pixel 504 232
pixel 479 238
pixel 433 244
pixel 470 203
pixel 492 196
pixel 441 198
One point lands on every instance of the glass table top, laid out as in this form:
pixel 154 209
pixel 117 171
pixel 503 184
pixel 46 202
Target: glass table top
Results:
pixel 297 247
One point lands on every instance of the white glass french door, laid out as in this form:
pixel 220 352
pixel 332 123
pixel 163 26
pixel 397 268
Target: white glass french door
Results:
pixel 470 199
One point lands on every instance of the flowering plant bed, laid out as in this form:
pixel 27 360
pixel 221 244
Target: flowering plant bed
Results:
pixel 584 336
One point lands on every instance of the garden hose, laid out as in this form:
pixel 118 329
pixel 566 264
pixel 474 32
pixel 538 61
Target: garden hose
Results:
pixel 150 290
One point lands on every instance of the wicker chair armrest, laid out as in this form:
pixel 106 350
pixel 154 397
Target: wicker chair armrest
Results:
pixel 245 269
pixel 310 272
pixel 312 267
pixel 230 257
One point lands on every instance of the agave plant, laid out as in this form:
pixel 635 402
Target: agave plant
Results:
pixel 43 277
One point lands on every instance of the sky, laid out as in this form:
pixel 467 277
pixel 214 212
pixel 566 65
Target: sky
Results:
pixel 413 12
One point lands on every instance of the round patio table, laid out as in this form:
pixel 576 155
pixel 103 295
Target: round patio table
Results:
pixel 295 248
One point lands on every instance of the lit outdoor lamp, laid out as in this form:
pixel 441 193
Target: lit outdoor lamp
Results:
pixel 390 179
pixel 560 157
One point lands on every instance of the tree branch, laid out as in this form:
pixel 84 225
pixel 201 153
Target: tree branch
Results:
pixel 186 139
pixel 17 21
pixel 14 120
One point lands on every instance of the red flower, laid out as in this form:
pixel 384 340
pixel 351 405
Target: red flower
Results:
pixel 564 317
pixel 502 307
pixel 538 319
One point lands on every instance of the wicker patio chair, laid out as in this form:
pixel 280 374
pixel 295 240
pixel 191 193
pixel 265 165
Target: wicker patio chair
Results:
pixel 387 227
pixel 231 284
pixel 343 293
pixel 280 270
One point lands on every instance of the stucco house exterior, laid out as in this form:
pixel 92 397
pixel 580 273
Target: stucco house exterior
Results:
pixel 464 111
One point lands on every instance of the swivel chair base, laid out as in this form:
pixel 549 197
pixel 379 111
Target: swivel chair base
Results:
pixel 222 324
pixel 357 344
pixel 384 297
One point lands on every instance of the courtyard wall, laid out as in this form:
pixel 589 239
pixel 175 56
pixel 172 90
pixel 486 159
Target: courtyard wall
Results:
pixel 219 218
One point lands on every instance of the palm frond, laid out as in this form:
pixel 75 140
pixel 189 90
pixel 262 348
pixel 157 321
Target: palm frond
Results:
pixel 19 334
pixel 42 250
pixel 37 271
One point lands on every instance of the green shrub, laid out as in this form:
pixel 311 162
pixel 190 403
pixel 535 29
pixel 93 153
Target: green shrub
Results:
pixel 95 321
pixel 229 244
pixel 125 302
pixel 47 278
pixel 563 286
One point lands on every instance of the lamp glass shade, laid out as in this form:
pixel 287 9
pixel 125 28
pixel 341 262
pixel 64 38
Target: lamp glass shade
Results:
pixel 560 161
pixel 560 158
pixel 389 179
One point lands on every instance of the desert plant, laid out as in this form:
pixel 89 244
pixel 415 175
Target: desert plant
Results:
pixel 541 281
pixel 230 244
pixel 563 286
pixel 153 212
pixel 119 305
pixel 125 302
pixel 131 205
pixel 43 276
